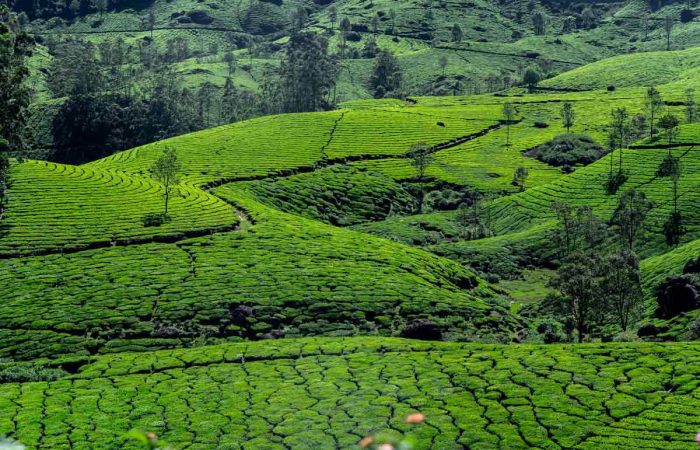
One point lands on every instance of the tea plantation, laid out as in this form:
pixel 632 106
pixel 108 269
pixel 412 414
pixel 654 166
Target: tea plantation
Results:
pixel 268 311
pixel 329 393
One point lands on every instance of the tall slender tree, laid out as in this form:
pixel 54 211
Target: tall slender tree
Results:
pixel 166 170
pixel 630 217
pixel 421 158
pixel 654 103
pixel 622 287
pixel 509 116
pixel 620 129
pixel 307 74
pixel 691 110
pixel 457 33
pixel 668 29
pixel 568 115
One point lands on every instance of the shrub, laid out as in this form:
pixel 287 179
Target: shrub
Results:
pixel 155 219
pixel 21 373
pixel 687 15
pixel 422 329
pixel 692 266
pixel 568 150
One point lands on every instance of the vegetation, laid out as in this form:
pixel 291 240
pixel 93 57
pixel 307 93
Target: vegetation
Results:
pixel 568 150
pixel 520 180
pixel 271 396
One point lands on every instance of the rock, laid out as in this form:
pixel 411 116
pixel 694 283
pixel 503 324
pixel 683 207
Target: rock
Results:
pixel 200 17
pixel 274 334
pixel 676 295
pixel 647 330
pixel 423 329
pixel 240 314
pixel 692 266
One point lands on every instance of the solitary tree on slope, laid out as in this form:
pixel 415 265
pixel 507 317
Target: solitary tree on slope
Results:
pixel 509 115
pixel 166 170
pixel 568 115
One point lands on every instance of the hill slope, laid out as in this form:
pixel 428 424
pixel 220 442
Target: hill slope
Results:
pixel 324 393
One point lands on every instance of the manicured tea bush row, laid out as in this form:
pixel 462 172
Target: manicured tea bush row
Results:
pixel 339 195
pixel 283 276
pixel 587 187
pixel 394 132
pixel 55 207
pixel 487 163
pixel 417 229
pixel 251 148
pixel 267 145
pixel 328 393
pixel 637 69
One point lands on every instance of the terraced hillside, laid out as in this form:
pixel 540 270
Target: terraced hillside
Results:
pixel 55 208
pixel 329 393
pixel 266 313
pixel 233 265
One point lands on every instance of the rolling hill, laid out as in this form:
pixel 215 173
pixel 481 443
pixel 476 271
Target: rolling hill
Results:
pixel 296 296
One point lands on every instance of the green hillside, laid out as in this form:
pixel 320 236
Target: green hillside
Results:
pixel 508 245
pixel 326 393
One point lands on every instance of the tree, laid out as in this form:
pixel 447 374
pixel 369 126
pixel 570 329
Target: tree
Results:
pixel 589 18
pixel 619 132
pixel 421 157
pixel 345 27
pixel 375 26
pixel 509 115
pixel 457 33
pixel 75 71
pixel 101 6
pixel 531 78
pixel 668 28
pixel 669 123
pixel 298 18
pixel 539 23
pixel 74 7
pixel 690 106
pixel 579 281
pixel 386 76
pixel 166 170
pixel 630 215
pixel 520 177
pixel 15 47
pixel 151 21
pixel 674 227
pixel 230 60
pixel 654 103
pixel 308 74
pixel 443 62
pixel 622 287
pixel 568 115
pixel 577 230
pixel 333 17
pixel 392 15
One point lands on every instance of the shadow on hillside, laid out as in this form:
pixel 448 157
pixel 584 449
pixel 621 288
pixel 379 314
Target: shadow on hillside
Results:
pixel 4 229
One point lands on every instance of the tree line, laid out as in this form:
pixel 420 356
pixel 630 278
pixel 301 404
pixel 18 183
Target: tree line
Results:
pixel 15 47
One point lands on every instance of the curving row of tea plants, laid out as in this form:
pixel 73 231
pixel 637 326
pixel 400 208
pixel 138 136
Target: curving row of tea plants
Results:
pixel 329 393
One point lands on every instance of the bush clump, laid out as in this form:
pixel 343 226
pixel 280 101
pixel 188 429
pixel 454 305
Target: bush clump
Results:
pixel 568 150
pixel 422 329
pixel 155 219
